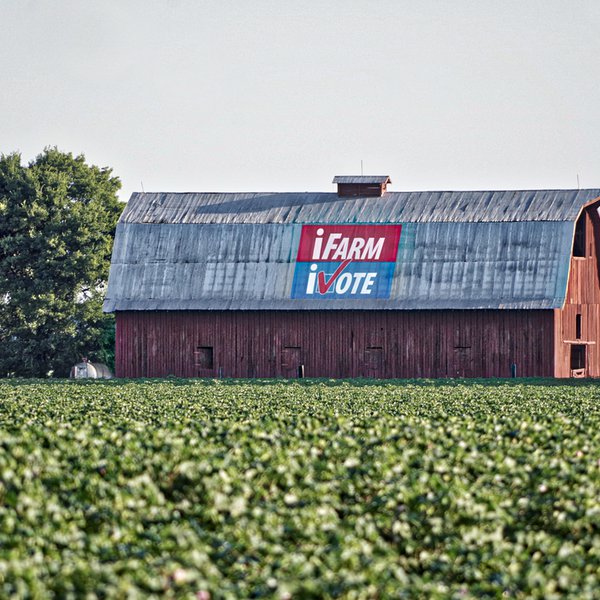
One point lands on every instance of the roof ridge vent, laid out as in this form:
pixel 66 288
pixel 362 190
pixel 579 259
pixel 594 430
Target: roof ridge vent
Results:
pixel 365 186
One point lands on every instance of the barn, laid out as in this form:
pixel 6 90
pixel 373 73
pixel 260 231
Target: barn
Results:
pixel 358 282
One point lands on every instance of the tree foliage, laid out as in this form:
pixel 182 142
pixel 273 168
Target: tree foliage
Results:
pixel 57 221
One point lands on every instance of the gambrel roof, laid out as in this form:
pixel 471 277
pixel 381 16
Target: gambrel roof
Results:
pixel 457 250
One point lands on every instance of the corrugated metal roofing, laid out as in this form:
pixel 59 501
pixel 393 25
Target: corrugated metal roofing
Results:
pixel 392 207
pixel 365 179
pixel 458 250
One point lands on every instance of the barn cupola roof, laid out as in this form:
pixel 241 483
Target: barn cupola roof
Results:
pixel 361 185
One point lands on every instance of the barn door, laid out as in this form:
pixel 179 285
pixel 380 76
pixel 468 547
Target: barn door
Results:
pixel 462 357
pixel 291 360
pixel 374 361
pixel 462 365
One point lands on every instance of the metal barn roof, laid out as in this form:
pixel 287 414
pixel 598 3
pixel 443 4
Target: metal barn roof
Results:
pixel 457 250
pixel 392 207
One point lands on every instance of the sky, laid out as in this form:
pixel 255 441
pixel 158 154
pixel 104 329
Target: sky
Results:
pixel 281 95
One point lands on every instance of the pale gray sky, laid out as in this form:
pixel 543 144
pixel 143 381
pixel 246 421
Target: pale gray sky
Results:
pixel 277 95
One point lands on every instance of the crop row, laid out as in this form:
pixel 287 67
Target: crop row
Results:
pixel 215 489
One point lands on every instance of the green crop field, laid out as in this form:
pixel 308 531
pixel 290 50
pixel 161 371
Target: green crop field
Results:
pixel 217 489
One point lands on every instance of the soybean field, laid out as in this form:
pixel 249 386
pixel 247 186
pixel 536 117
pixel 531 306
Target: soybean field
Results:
pixel 211 489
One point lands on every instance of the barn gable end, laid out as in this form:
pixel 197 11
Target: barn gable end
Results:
pixel 577 322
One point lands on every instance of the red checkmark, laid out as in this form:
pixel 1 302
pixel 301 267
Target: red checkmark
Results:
pixel 323 286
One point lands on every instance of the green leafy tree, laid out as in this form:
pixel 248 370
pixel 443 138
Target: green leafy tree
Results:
pixel 57 220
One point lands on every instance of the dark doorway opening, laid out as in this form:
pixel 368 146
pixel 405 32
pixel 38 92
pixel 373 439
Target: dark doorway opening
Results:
pixel 204 358
pixel 579 242
pixel 577 357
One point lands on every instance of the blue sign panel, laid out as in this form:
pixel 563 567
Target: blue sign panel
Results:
pixel 347 279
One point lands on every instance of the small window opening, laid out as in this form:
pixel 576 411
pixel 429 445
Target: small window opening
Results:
pixel 374 357
pixel 579 243
pixel 577 356
pixel 290 355
pixel 577 326
pixel 204 357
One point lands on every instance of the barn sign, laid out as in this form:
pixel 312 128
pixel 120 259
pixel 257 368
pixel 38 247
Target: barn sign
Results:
pixel 346 261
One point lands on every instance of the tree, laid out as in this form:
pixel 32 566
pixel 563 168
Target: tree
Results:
pixel 57 221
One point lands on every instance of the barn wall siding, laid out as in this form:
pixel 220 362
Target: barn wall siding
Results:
pixel 386 344
pixel 583 298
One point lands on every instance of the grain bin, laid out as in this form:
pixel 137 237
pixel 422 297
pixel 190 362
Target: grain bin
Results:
pixel 88 370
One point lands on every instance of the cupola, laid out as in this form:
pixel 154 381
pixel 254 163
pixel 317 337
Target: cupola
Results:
pixel 361 185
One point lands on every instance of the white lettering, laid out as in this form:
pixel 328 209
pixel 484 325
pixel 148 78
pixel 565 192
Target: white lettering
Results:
pixel 343 283
pixel 318 244
pixel 369 282
pixel 355 248
pixel 372 250
pixel 331 244
pixel 312 280
pixel 358 277
pixel 340 252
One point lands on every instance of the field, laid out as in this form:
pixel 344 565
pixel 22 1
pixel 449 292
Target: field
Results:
pixel 216 489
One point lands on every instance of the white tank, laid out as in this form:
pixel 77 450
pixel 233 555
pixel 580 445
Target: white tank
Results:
pixel 88 370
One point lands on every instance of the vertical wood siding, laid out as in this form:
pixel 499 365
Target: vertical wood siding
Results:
pixel 385 344
pixel 583 297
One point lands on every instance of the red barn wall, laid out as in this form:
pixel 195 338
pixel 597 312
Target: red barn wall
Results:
pixel 386 344
pixel 583 298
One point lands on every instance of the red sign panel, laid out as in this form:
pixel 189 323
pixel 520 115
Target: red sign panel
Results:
pixel 338 243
